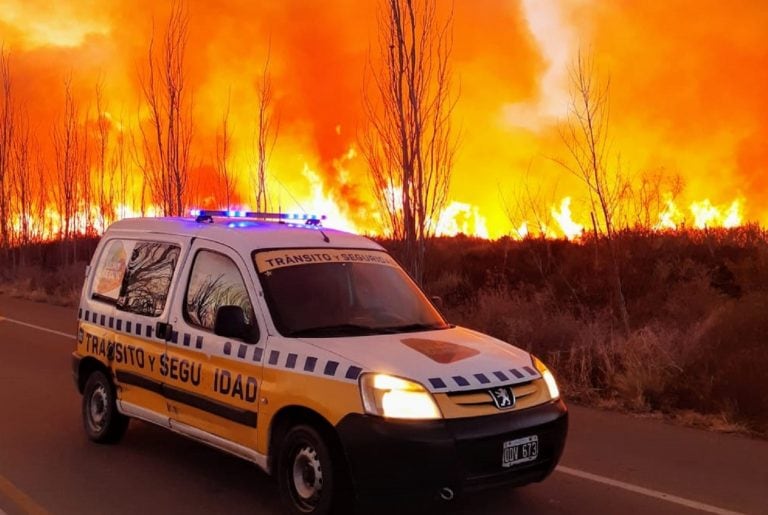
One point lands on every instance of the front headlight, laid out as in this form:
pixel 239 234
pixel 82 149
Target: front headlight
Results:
pixel 549 379
pixel 393 397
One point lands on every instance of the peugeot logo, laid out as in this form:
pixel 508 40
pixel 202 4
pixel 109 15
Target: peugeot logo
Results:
pixel 503 397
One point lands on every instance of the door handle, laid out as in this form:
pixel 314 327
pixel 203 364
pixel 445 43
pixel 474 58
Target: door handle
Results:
pixel 163 331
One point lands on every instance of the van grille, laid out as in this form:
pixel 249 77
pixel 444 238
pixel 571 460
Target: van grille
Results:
pixel 483 397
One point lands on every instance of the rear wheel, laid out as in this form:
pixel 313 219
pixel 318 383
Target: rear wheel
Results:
pixel 101 420
pixel 306 475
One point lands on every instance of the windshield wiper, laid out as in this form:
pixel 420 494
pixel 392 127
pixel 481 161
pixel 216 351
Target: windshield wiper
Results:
pixel 412 328
pixel 338 330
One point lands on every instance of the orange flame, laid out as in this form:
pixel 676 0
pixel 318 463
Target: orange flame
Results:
pixel 317 61
pixel 563 216
pixel 461 218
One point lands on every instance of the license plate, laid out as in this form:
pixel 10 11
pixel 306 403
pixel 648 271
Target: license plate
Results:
pixel 521 450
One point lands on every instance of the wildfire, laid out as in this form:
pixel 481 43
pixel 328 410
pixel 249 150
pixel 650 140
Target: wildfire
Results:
pixel 461 218
pixel 707 215
pixel 563 216
pixel 668 215
pixel 521 232
pixel 321 204
pixel 704 215
pixel 317 60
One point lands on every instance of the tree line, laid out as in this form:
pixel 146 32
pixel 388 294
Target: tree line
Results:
pixel 89 168
pixel 86 168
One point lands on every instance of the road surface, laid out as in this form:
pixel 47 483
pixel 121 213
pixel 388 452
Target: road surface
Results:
pixel 613 463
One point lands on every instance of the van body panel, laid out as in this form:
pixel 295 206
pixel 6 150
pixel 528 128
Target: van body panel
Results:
pixel 445 360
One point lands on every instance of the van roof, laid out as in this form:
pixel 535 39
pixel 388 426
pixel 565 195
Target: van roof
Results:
pixel 243 234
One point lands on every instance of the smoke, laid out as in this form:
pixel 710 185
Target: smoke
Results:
pixel 687 86
pixel 691 83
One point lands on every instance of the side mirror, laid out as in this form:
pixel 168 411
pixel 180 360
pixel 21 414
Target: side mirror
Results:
pixel 437 301
pixel 230 322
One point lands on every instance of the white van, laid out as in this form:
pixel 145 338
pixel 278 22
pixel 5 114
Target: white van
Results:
pixel 309 352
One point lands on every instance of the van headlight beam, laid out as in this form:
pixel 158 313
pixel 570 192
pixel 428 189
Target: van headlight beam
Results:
pixel 393 397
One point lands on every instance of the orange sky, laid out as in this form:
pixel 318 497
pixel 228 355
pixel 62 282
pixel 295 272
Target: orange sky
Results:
pixel 689 90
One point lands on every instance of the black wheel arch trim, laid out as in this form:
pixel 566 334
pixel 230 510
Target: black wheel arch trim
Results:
pixel 83 366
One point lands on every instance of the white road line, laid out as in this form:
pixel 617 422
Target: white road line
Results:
pixel 19 499
pixel 39 328
pixel 646 491
pixel 682 501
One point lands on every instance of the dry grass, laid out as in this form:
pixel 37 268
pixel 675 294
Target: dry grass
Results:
pixel 697 300
pixel 720 422
pixel 665 367
pixel 60 287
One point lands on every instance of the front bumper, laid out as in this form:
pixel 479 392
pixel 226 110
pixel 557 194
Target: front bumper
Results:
pixel 407 458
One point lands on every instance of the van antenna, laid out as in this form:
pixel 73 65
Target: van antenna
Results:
pixel 326 239
pixel 289 194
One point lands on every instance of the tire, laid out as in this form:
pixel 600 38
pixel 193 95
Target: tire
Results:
pixel 101 420
pixel 307 474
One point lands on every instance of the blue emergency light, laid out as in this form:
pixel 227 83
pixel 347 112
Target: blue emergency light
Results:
pixel 280 217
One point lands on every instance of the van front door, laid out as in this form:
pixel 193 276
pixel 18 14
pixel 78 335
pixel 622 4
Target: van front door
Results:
pixel 212 374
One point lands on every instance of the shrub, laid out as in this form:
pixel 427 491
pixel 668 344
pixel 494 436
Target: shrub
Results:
pixel 697 302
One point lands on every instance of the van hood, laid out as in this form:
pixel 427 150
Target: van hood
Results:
pixel 445 360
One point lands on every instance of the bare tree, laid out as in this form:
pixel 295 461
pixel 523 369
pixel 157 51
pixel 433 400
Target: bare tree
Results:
pixel 84 200
pixel 41 227
pixel 223 150
pixel 651 194
pixel 7 120
pixel 104 163
pixel 267 129
pixel 527 209
pixel 66 144
pixel 166 141
pixel 22 182
pixel 592 160
pixel 120 173
pixel 410 144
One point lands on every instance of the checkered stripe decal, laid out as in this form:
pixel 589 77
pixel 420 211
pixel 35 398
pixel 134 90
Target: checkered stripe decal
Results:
pixel 314 365
pixel 145 330
pixel 284 359
pixel 122 325
pixel 484 379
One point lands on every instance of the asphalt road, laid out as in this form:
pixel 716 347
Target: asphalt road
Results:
pixel 613 463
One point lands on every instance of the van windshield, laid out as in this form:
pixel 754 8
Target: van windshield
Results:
pixel 324 293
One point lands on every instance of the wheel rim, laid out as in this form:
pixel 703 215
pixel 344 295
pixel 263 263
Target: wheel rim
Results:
pixel 97 408
pixel 307 477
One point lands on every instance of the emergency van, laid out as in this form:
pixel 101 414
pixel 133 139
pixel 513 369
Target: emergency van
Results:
pixel 309 352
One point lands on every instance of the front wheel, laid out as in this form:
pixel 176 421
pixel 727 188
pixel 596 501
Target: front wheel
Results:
pixel 102 422
pixel 306 472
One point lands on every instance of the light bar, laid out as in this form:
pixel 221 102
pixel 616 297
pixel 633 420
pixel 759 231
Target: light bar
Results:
pixel 257 215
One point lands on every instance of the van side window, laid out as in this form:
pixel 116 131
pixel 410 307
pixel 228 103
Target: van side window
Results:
pixel 147 278
pixel 110 269
pixel 215 281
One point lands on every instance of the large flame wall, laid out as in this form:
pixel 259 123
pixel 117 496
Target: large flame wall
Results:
pixel 688 96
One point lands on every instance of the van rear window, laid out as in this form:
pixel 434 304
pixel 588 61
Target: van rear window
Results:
pixel 111 269
pixel 147 278
pixel 135 275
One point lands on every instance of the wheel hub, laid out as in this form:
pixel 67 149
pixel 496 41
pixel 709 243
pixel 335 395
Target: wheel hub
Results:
pixel 98 407
pixel 307 474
